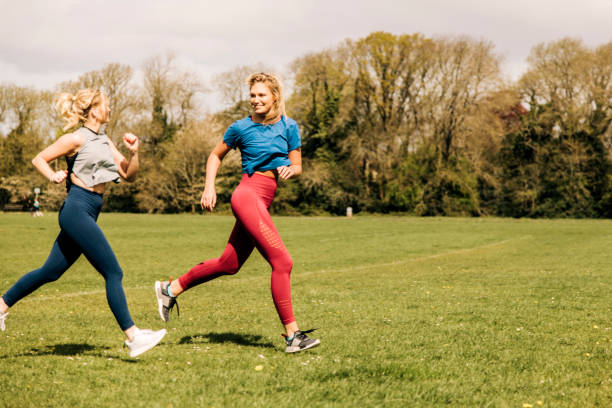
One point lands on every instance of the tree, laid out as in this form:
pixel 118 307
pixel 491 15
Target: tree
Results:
pixel 166 109
pixel 178 180
pixel 167 102
pixel 115 80
pixel 26 125
pixel 569 96
pixel 320 104
pixel 390 80
pixel 375 110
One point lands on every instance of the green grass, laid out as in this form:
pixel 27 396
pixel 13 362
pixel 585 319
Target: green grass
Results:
pixel 411 312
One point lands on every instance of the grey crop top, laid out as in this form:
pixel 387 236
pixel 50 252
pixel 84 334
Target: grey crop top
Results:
pixel 93 163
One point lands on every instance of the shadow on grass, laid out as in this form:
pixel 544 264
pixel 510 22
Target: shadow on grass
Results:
pixel 250 340
pixel 68 350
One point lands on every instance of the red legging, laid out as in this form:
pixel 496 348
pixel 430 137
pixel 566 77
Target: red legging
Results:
pixel 253 228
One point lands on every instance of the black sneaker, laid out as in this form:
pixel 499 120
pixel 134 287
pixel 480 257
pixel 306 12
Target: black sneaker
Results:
pixel 165 302
pixel 301 341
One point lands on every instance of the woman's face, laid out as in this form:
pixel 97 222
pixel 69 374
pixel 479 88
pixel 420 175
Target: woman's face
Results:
pixel 262 99
pixel 102 111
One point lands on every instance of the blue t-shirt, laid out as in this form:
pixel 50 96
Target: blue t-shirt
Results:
pixel 263 147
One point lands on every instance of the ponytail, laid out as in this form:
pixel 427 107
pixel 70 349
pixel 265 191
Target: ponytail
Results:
pixel 74 109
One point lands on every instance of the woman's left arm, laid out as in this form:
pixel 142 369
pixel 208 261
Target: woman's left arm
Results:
pixel 128 168
pixel 295 168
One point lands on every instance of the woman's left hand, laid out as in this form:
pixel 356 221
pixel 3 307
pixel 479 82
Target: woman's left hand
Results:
pixel 131 142
pixel 285 172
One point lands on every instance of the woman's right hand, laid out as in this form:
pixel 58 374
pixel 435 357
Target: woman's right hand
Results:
pixel 209 196
pixel 67 145
pixel 131 141
pixel 59 176
pixel 209 199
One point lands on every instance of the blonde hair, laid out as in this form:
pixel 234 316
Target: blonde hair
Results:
pixel 74 109
pixel 275 85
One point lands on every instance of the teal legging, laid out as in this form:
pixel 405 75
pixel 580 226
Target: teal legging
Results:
pixel 79 235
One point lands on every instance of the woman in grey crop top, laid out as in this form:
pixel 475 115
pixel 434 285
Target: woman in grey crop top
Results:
pixel 93 161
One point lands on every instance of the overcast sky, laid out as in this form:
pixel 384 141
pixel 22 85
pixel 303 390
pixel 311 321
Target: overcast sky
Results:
pixel 44 42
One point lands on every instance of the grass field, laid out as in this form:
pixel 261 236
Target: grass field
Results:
pixel 410 311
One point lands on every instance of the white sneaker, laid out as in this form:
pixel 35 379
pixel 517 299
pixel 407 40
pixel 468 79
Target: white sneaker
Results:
pixel 2 318
pixel 144 340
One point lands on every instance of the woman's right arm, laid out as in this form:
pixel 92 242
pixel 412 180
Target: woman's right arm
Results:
pixel 65 145
pixel 209 196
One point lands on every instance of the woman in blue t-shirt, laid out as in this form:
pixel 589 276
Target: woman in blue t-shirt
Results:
pixel 269 143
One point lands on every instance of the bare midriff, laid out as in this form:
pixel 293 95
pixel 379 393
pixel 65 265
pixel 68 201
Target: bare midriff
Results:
pixel 98 188
pixel 268 173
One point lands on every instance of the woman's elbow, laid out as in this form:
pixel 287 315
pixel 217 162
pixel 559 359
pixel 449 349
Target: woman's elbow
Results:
pixel 37 160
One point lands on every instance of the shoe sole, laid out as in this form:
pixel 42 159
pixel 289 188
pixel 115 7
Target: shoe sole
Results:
pixel 160 302
pixel 137 352
pixel 313 345
pixel 2 321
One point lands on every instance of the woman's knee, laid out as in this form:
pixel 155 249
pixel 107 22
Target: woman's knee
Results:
pixel 45 275
pixel 114 275
pixel 283 263
pixel 228 265
pixel 53 277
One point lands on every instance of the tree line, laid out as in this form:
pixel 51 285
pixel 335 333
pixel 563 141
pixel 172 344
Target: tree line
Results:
pixel 389 123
